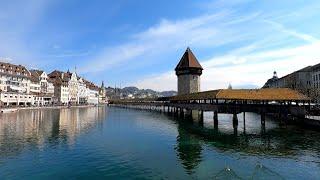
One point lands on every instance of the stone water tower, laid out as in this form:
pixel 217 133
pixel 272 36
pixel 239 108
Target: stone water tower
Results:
pixel 188 71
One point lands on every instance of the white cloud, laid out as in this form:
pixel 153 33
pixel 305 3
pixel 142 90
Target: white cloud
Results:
pixel 296 34
pixel 169 36
pixel 247 64
pixel 255 70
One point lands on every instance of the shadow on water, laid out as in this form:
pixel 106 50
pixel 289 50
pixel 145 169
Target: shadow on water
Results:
pixel 274 142
pixel 189 150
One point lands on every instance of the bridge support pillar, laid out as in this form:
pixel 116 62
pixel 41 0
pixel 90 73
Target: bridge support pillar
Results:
pixel 244 121
pixel 201 117
pixel 188 114
pixel 263 118
pixel 176 112
pixel 181 113
pixel 215 119
pixel 197 116
pixel 235 124
pixel 283 118
pixel 235 119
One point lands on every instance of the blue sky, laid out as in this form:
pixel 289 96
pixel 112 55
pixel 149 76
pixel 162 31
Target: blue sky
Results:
pixel 139 42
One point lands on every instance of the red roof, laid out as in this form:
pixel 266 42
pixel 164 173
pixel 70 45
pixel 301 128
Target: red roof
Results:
pixel 188 60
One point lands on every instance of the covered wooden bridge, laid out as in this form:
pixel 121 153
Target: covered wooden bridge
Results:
pixel 279 101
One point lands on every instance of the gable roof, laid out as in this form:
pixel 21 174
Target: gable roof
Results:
pixel 15 70
pixel 34 76
pixel 268 94
pixel 188 60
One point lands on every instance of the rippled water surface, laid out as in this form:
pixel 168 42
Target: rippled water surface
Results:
pixel 109 142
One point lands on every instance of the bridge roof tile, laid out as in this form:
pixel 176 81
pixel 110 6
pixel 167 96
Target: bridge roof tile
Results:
pixel 270 94
pixel 276 94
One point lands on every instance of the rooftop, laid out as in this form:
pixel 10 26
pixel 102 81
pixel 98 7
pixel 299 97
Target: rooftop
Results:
pixel 16 70
pixel 188 60
pixel 269 94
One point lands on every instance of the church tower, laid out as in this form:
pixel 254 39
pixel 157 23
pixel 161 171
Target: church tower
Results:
pixel 188 71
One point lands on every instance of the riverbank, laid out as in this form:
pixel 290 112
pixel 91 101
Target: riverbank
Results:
pixel 15 109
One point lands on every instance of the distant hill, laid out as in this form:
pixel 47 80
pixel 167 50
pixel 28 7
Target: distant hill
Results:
pixel 134 92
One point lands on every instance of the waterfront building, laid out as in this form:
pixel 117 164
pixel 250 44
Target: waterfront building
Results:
pixel 42 88
pixel 188 71
pixel 82 91
pixel 304 80
pixel 14 78
pixel 61 89
pixel 35 87
pixel 14 85
pixel 102 94
pixel 15 99
pixel 93 93
pixel 73 85
pixel 316 82
pixel 73 89
pixel 19 86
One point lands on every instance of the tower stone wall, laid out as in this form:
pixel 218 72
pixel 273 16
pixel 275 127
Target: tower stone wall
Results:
pixel 188 84
pixel 188 71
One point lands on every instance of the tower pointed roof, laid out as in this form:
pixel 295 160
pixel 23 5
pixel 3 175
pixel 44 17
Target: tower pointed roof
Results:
pixel 188 60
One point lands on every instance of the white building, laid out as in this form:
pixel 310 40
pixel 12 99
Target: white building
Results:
pixel 14 85
pixel 93 96
pixel 102 94
pixel 83 91
pixel 72 89
pixel 93 93
pixel 61 89
pixel 16 99
pixel 14 78
pixel 73 85
pixel 42 88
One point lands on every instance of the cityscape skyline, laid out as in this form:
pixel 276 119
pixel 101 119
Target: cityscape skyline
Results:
pixel 108 41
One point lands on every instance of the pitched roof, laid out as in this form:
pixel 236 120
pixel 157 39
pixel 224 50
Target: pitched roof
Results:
pixel 59 77
pixel 276 94
pixel 34 76
pixel 16 70
pixel 188 60
pixel 39 72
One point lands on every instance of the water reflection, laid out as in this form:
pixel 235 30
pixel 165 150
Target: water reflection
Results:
pixel 226 173
pixel 260 172
pixel 124 143
pixel 271 142
pixel 188 149
pixel 38 128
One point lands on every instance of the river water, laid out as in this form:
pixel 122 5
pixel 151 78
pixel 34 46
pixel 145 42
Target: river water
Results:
pixel 115 143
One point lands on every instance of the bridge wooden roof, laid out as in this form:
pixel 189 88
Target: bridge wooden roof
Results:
pixel 267 94
pixel 276 94
pixel 196 96
pixel 270 94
